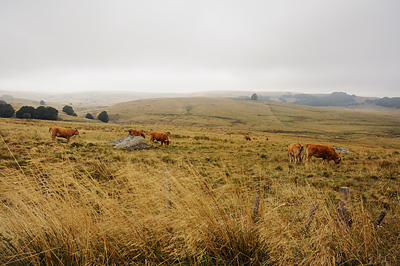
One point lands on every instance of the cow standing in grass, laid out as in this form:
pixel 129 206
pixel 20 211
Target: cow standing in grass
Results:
pixel 136 132
pixel 322 151
pixel 246 137
pixel 296 152
pixel 159 137
pixel 66 133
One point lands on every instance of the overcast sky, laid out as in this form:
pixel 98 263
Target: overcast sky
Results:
pixel 184 46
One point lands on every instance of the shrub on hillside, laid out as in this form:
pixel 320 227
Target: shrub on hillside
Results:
pixel 69 110
pixel 388 102
pixel 25 110
pixel 254 97
pixel 103 116
pixel 89 116
pixel 334 99
pixel 46 113
pixel 6 110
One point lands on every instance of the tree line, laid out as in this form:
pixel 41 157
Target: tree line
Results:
pixel 386 102
pixel 43 112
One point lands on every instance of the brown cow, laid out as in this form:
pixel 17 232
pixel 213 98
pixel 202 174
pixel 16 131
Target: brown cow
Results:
pixel 66 133
pixel 136 132
pixel 247 137
pixel 296 152
pixel 322 151
pixel 255 138
pixel 159 137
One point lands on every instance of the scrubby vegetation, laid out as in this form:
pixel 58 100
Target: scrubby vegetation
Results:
pixel 103 117
pixel 6 110
pixel 208 199
pixel 69 110
pixel 387 102
pixel 41 112
pixel 334 99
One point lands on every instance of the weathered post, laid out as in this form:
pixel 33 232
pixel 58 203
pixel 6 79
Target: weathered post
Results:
pixel 310 216
pixel 256 206
pixel 44 186
pixel 380 218
pixel 167 185
pixel 343 213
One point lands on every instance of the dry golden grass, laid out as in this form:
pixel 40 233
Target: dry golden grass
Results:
pixel 110 207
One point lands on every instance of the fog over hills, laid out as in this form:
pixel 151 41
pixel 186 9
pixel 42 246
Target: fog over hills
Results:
pixel 113 97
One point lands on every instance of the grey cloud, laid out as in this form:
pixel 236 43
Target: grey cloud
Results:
pixel 201 45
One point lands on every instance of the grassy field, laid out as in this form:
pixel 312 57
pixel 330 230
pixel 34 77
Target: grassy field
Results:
pixel 207 199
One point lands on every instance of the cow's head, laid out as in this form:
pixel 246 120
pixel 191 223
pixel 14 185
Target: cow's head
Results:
pixel 167 142
pixel 143 135
pixel 76 132
pixel 337 160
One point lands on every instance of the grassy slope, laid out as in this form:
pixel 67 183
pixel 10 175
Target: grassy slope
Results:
pixel 108 206
pixel 261 116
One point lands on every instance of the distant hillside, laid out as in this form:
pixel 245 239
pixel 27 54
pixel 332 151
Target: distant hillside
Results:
pixel 261 115
pixel 100 99
pixel 108 98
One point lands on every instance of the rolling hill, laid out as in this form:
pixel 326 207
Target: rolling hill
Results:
pixel 260 115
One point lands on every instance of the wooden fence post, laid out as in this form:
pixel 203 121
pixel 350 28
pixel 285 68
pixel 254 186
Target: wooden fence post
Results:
pixel 343 213
pixel 167 185
pixel 380 218
pixel 44 186
pixel 256 205
pixel 310 216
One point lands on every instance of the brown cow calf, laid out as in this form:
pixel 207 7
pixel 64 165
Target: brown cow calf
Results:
pixel 136 132
pixel 159 137
pixel 246 137
pixel 66 133
pixel 322 151
pixel 296 152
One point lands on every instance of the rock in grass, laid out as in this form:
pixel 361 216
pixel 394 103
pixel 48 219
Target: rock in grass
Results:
pixel 342 150
pixel 130 143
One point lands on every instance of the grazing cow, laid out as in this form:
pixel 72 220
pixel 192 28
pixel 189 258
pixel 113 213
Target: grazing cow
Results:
pixel 136 132
pixel 66 133
pixel 255 138
pixel 296 152
pixel 159 137
pixel 247 137
pixel 227 133
pixel 322 151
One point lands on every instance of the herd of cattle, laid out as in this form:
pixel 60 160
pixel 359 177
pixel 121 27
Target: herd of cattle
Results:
pixel 296 151
pixel 67 133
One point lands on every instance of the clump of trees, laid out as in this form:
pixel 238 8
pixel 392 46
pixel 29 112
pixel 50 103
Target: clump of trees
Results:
pixel 6 110
pixel 69 110
pixel 103 116
pixel 386 102
pixel 254 97
pixel 89 116
pixel 334 99
pixel 42 112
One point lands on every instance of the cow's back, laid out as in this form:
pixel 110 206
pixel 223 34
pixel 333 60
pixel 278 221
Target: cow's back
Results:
pixel 322 151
